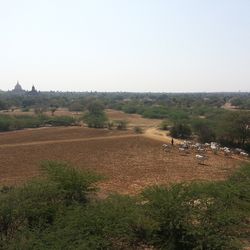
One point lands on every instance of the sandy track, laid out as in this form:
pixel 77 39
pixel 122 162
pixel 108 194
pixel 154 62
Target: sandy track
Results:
pixel 67 140
pixel 159 135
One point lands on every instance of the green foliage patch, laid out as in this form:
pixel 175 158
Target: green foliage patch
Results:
pixel 61 211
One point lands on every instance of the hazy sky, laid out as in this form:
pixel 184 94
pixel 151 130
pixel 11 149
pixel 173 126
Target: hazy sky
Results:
pixel 125 45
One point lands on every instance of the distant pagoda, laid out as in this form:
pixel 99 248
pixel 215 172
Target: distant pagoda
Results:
pixel 18 89
pixel 33 91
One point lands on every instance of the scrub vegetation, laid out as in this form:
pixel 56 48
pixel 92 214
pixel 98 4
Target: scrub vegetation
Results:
pixel 62 211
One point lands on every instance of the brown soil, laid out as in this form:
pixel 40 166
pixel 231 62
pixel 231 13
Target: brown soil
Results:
pixel 55 133
pixel 130 162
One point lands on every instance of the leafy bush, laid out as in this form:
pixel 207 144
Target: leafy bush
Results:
pixel 157 112
pixel 76 106
pixel 121 124
pixel 203 129
pixel 59 212
pixel 25 109
pixel 138 130
pixel 197 216
pixel 110 125
pixel 164 125
pixel 19 122
pixel 96 120
pixel 72 183
pixel 61 121
pixel 5 123
pixel 95 117
pixel 8 122
pixel 107 224
pixel 34 206
pixel 3 105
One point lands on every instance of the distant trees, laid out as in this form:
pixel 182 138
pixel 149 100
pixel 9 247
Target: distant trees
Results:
pixel 203 130
pixel 156 112
pixel 180 130
pixel 164 125
pixel 76 106
pixel 3 105
pixel 95 116
pixel 53 110
pixel 234 128
pixel 200 112
pixel 9 123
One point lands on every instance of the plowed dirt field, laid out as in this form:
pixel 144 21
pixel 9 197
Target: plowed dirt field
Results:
pixel 130 162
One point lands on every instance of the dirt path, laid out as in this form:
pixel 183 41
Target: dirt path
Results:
pixel 155 134
pixel 67 140
pixel 229 106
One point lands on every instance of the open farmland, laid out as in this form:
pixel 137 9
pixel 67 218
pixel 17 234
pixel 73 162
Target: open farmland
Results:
pixel 129 161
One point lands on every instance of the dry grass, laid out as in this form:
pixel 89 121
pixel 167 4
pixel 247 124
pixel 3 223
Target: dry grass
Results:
pixel 56 133
pixel 133 119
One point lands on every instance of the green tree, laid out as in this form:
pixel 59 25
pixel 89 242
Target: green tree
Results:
pixel 203 130
pixel 180 130
pixel 233 128
pixel 3 105
pixel 95 117
pixel 164 125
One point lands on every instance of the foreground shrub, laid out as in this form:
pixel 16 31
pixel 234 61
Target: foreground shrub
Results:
pixel 107 224
pixel 197 216
pixel 34 206
pixel 73 184
pixel 57 212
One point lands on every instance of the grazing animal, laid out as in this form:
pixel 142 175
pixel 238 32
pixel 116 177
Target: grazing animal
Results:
pixel 185 146
pixel 227 151
pixel 214 147
pixel 238 151
pixel 201 150
pixel 244 154
pixel 201 159
pixel 165 147
pixel 184 151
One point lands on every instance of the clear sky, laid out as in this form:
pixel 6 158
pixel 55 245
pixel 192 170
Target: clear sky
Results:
pixel 125 45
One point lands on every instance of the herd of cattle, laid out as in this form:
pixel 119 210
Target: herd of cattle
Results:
pixel 201 149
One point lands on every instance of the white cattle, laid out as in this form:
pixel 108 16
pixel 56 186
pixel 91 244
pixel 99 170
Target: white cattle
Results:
pixel 201 159
pixel 166 147
pixel 244 154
